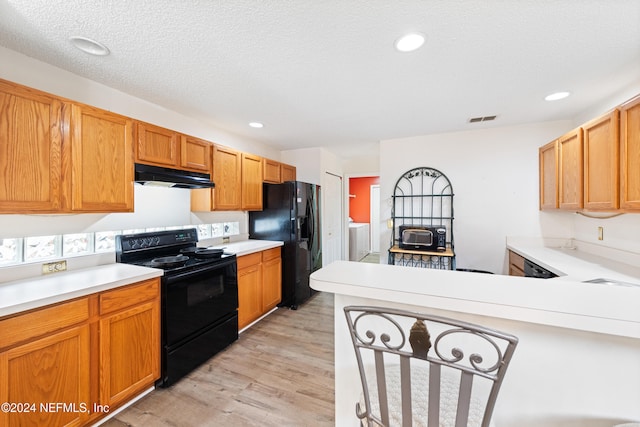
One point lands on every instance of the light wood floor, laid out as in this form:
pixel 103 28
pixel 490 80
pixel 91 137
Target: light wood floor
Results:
pixel 279 373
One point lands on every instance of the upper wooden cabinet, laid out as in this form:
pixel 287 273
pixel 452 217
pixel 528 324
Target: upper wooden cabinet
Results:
pixel 570 171
pixel 287 172
pixel 630 155
pixel 31 150
pixel 157 146
pixel 275 172
pixel 271 171
pixel 601 162
pixel 56 156
pixel 195 154
pixel 102 161
pixel 227 177
pixel 251 182
pixel 548 158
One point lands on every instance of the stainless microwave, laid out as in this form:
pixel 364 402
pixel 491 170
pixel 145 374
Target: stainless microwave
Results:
pixel 422 238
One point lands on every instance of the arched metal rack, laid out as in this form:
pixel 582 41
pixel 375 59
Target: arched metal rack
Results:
pixel 423 197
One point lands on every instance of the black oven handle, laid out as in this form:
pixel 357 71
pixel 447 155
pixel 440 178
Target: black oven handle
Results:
pixel 182 276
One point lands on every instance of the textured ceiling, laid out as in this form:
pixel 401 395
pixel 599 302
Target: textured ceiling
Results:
pixel 324 72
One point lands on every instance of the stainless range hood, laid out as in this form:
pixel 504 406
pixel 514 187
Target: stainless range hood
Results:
pixel 167 177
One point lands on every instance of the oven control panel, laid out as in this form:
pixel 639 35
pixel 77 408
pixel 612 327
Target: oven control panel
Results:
pixel 134 242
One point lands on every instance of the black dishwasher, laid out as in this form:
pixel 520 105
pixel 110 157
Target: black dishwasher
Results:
pixel 534 270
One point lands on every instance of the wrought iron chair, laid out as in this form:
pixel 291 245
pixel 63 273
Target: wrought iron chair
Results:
pixel 406 381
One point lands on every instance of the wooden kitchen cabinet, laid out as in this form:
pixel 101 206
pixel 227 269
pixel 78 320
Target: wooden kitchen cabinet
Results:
pixel 195 154
pixel 516 264
pixel 259 284
pixel 271 171
pixel 548 159
pixel 272 279
pixel 249 288
pixel 630 155
pixel 32 151
pixel 102 349
pixel 287 172
pixel 251 182
pixel 129 341
pixel 157 146
pixel 601 162
pixel 570 172
pixel 45 358
pixel 228 183
pixel 101 179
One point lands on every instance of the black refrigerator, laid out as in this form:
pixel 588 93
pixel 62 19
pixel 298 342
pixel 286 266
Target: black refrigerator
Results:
pixel 291 213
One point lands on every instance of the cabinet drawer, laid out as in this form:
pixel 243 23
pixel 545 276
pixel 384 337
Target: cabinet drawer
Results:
pixel 271 254
pixel 249 260
pixel 43 321
pixel 128 296
pixel 516 262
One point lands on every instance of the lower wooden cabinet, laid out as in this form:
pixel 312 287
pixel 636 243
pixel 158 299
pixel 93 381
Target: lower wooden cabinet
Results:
pixel 516 264
pixel 129 341
pixel 259 284
pixel 70 364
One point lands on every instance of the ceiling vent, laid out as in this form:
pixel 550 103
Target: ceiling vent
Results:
pixel 482 119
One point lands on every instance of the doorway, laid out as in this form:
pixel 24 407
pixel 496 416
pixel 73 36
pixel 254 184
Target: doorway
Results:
pixel 364 218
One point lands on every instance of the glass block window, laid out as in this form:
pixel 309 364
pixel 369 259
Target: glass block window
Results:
pixel 77 244
pixel 204 231
pixel 41 247
pixel 217 230
pixel 10 251
pixel 105 241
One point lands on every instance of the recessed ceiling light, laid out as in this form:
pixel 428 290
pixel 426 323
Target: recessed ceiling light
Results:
pixel 89 46
pixel 256 125
pixel 556 96
pixel 409 42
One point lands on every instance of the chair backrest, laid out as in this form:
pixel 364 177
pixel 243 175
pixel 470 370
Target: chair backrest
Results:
pixel 422 370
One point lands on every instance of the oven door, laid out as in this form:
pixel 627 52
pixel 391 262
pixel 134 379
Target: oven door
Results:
pixel 196 300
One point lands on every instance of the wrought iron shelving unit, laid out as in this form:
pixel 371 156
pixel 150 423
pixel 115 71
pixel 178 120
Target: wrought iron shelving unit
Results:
pixel 423 196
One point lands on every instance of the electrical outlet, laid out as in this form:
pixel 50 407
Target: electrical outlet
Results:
pixel 54 267
pixel 226 239
pixel 600 233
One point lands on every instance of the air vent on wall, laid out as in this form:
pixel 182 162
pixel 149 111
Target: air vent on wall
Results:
pixel 482 119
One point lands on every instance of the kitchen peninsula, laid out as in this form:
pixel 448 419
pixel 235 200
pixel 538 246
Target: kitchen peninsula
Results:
pixel 577 362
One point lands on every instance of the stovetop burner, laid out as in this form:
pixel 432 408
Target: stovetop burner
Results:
pixel 173 251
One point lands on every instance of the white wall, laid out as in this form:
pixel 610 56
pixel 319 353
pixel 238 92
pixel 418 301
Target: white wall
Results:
pixel 494 174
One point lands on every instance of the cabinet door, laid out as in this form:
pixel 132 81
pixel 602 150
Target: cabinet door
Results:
pixel 271 171
pixel 548 157
pixel 157 146
pixel 227 178
pixel 129 352
pixel 102 161
pixel 48 371
pixel 249 288
pixel 570 181
pixel 601 162
pixel 251 182
pixel 288 172
pixel 271 279
pixel 630 155
pixel 31 150
pixel 516 264
pixel 195 154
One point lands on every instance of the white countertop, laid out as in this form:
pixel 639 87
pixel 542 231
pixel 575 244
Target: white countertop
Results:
pixel 247 247
pixel 579 261
pixel 27 294
pixel 590 307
